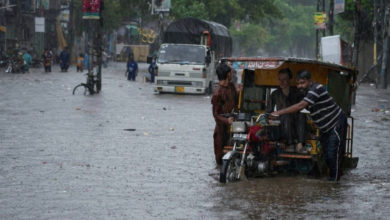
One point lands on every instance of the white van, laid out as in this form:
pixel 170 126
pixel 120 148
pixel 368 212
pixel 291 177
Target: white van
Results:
pixel 185 68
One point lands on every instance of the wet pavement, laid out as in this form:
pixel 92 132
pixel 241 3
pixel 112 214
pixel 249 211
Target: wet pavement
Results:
pixel 127 153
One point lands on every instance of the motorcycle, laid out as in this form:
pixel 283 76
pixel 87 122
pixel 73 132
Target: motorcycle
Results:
pixel 14 65
pixel 3 60
pixel 253 152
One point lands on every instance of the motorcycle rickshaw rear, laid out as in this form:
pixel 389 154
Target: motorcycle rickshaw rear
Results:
pixel 257 148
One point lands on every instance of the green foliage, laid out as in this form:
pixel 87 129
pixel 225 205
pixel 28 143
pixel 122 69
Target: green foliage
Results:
pixel 345 21
pixel 111 15
pixel 249 38
pixel 289 34
pixel 225 11
pixel 188 8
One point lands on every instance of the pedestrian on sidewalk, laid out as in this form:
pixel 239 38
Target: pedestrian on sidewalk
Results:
pixel 47 57
pixel 65 60
pixel 27 62
pixel 86 61
pixel 132 68
pixel 152 69
pixel 80 63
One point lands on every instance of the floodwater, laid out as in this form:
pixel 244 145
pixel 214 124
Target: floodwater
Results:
pixel 127 153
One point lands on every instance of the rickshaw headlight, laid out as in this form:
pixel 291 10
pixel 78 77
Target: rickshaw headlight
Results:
pixel 238 127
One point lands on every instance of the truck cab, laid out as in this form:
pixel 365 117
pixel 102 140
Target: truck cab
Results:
pixel 185 68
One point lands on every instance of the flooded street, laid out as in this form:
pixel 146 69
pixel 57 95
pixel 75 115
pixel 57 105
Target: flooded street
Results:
pixel 127 153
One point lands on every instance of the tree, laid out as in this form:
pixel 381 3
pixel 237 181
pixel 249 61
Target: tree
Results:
pixel 249 39
pixel 289 34
pixel 188 8
pixel 225 11
pixel 344 21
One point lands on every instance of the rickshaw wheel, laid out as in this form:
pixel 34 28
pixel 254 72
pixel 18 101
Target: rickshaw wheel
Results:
pixel 230 169
pixel 304 166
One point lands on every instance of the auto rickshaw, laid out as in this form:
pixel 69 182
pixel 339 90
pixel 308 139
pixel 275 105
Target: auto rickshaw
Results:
pixel 259 77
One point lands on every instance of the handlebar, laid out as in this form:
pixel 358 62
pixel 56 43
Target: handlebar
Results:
pixel 229 115
pixel 238 116
pixel 265 119
pixel 268 119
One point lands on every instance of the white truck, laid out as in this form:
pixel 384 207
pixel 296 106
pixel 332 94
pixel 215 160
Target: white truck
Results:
pixel 188 55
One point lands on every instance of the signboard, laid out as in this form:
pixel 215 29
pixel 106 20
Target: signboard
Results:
pixel 331 49
pixel 319 20
pixel 40 24
pixel 160 6
pixel 91 9
pixel 339 6
pixel 64 13
pixel 255 64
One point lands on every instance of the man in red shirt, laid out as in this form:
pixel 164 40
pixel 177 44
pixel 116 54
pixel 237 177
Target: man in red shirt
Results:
pixel 224 101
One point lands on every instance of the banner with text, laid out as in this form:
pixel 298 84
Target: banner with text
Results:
pixel 339 6
pixel 319 20
pixel 91 9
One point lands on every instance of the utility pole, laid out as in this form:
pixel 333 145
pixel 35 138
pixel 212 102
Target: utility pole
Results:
pixel 375 26
pixel 355 53
pixel 331 17
pixel 323 10
pixel 320 8
pixel 386 44
pixel 93 18
pixel 356 41
pixel 18 33
pixel 71 27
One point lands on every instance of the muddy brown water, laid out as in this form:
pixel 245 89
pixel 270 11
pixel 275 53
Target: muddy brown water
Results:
pixel 129 154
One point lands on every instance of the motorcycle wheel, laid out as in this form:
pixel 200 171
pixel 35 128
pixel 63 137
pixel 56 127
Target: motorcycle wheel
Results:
pixel 230 169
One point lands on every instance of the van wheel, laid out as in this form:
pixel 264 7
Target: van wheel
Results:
pixel 156 92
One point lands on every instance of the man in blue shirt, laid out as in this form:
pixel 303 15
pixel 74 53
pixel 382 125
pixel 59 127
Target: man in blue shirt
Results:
pixel 86 62
pixel 132 68
pixel 327 116
pixel 152 69
pixel 27 62
pixel 65 60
